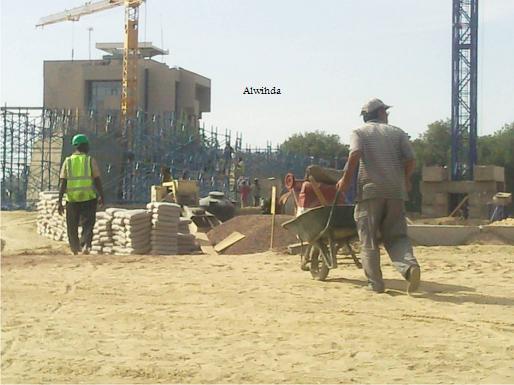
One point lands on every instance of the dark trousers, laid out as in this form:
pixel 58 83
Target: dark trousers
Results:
pixel 80 213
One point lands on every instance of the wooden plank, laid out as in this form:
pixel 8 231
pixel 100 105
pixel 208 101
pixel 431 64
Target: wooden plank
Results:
pixel 273 209
pixel 229 241
pixel 296 248
pixel 459 205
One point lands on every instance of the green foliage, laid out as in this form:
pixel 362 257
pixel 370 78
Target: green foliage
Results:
pixel 498 149
pixel 434 145
pixel 317 144
pixel 433 148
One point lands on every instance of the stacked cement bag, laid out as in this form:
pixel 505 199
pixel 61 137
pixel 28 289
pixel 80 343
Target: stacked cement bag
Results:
pixel 165 223
pixel 183 225
pixel 131 232
pixel 186 242
pixel 102 234
pixel 49 223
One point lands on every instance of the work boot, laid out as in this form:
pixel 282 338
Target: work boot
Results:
pixel 375 289
pixel 85 250
pixel 413 277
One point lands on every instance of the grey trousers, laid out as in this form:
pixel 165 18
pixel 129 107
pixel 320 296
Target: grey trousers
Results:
pixel 386 218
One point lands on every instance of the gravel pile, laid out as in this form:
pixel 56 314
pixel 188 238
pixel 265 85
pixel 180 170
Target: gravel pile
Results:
pixel 131 232
pixel 49 223
pixel 165 225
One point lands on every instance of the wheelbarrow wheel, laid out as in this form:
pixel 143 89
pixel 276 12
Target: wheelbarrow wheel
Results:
pixel 319 270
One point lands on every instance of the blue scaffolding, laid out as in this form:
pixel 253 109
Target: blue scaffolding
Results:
pixel 464 88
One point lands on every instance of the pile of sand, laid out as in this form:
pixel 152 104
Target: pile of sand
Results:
pixel 504 222
pixel 449 221
pixel 257 231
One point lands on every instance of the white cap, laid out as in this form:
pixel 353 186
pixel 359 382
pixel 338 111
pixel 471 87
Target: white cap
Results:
pixel 373 105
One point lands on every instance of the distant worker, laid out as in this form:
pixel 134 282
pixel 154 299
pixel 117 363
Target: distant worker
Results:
pixel 385 161
pixel 244 191
pixel 80 180
pixel 227 158
pixel 256 190
pixel 240 168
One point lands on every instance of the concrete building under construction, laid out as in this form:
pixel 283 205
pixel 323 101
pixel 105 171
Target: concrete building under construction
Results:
pixel 441 195
pixel 95 85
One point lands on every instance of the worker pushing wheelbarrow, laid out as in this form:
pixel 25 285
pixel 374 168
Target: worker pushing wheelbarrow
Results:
pixel 325 229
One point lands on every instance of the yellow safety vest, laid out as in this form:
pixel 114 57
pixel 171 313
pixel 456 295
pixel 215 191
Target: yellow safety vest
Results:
pixel 79 179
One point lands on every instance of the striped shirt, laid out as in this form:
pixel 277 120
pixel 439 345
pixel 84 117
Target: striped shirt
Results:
pixel 384 150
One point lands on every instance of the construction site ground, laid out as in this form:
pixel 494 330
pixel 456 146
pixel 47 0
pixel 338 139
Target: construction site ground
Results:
pixel 249 318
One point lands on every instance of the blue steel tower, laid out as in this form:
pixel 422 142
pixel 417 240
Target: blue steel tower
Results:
pixel 464 88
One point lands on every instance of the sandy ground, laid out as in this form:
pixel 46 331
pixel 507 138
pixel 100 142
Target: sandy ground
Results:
pixel 254 318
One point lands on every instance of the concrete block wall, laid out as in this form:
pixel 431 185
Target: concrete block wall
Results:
pixel 436 189
pixel 489 173
pixel 434 174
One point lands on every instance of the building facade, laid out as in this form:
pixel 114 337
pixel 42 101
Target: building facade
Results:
pixel 95 85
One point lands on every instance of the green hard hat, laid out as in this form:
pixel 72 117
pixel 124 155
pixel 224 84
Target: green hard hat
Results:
pixel 79 139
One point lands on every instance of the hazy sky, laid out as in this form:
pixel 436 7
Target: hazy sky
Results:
pixel 327 57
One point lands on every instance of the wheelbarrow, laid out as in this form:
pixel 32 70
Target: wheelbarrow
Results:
pixel 325 229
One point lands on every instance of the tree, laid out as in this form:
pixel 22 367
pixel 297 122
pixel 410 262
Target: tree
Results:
pixel 317 144
pixel 433 147
pixel 498 149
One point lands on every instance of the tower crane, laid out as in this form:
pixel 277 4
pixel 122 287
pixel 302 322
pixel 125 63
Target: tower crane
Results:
pixel 130 47
pixel 464 88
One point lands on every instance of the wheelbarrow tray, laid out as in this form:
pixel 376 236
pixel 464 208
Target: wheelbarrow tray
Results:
pixel 309 225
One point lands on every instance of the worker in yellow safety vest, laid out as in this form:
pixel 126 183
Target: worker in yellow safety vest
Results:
pixel 80 181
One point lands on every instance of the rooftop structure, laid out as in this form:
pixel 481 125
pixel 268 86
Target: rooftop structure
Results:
pixel 145 49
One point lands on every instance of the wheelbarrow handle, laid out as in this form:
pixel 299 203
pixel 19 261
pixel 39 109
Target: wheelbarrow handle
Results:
pixel 332 209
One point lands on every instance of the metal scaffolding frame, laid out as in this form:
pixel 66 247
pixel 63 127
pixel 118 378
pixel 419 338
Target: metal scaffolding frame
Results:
pixel 36 140
pixel 464 88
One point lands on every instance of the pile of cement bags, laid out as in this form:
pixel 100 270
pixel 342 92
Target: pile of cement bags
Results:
pixel 165 223
pixel 102 233
pixel 158 229
pixel 131 232
pixel 186 242
pixel 49 223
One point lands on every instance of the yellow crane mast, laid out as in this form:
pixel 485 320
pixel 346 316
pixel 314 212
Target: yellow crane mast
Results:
pixel 130 48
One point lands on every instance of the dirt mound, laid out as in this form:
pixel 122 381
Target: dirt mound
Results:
pixel 449 221
pixel 504 222
pixel 257 229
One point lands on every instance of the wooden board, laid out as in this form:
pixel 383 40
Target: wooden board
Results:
pixel 296 248
pixel 229 241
